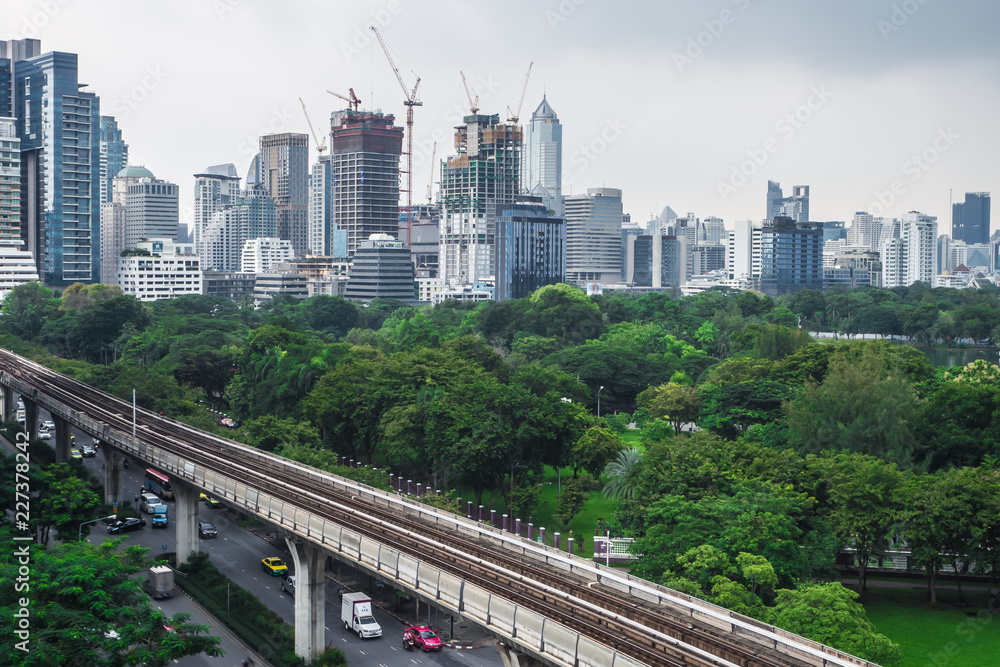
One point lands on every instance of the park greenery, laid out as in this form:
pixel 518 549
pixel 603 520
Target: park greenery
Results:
pixel 762 454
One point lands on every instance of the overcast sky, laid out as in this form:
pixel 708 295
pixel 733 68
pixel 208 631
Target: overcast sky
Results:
pixel 878 105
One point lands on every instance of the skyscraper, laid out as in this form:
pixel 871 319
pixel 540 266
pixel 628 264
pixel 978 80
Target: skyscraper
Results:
pixel 114 221
pixel 970 221
pixel 791 256
pixel 253 216
pixel 151 211
pixel 912 255
pixel 531 248
pixel 10 184
pixel 365 148
pixel 283 167
pixel 59 127
pixel 485 174
pixel 114 155
pixel 594 236
pixel 541 164
pixel 795 207
pixel 320 206
pixel 214 189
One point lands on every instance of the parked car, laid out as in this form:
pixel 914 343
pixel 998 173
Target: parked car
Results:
pixel 422 637
pixel 126 525
pixel 274 566
pixel 206 529
pixel 288 584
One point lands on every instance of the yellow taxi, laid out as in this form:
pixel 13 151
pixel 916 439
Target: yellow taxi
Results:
pixel 274 566
pixel 75 454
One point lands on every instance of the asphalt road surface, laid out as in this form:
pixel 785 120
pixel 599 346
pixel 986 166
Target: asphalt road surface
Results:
pixel 237 553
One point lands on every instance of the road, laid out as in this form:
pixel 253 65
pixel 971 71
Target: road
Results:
pixel 237 553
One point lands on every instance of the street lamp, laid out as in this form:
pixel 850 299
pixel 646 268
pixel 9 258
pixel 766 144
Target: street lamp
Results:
pixel 599 400
pixel 79 536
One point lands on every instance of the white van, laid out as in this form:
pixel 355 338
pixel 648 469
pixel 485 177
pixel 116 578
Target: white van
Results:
pixel 148 501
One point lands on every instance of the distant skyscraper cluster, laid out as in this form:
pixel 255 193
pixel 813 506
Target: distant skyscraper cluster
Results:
pixel 73 208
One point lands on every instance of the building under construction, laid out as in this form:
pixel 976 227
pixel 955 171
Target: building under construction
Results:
pixel 485 173
pixel 365 150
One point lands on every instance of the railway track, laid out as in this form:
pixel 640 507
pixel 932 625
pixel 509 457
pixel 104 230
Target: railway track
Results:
pixel 645 634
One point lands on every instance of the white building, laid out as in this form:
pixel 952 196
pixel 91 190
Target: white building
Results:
pixel 160 269
pixel 16 268
pixel 151 211
pixel 743 247
pixel 260 255
pixel 216 188
pixel 10 184
pixel 321 206
pixel 912 256
pixel 594 236
pixel 541 157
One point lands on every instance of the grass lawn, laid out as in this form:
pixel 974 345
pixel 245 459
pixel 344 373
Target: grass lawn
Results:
pixel 949 636
pixel 632 438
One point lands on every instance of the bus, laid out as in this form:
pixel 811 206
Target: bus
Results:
pixel 159 484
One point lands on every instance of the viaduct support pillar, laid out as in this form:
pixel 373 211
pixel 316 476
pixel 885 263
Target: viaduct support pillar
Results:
pixel 9 405
pixel 186 519
pixel 310 598
pixel 62 436
pixel 510 657
pixel 31 420
pixel 113 485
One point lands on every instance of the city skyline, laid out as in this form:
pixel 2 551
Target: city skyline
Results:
pixel 673 103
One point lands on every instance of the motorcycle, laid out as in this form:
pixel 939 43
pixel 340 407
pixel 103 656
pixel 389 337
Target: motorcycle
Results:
pixel 125 464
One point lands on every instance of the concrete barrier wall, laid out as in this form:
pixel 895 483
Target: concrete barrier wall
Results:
pixel 559 641
pixel 502 615
pixel 529 627
pixel 476 603
pixel 592 654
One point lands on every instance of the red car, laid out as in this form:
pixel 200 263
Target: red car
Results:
pixel 422 637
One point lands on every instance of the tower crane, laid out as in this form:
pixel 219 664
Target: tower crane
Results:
pixel 513 116
pixel 411 101
pixel 320 145
pixel 352 100
pixel 430 184
pixel 473 105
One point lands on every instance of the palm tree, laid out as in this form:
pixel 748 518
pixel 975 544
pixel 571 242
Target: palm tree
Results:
pixel 620 472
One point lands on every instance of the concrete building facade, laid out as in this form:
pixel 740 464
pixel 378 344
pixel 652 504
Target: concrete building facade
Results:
pixel 283 170
pixel 531 248
pixel 593 236
pixel 160 269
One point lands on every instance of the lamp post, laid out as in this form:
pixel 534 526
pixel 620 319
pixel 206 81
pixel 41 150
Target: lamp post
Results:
pixel 79 536
pixel 599 400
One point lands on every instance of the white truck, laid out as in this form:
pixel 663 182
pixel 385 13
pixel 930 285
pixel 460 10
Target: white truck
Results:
pixel 160 583
pixel 356 613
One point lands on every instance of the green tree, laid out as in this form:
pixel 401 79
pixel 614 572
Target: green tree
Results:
pixel 620 474
pixel 571 501
pixel 79 594
pixel 270 433
pixel 26 309
pixel 594 449
pixel 830 614
pixel 64 502
pixel 679 404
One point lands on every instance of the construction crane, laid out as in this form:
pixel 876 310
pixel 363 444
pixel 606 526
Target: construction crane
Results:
pixel 320 145
pixel 473 105
pixel 430 184
pixel 513 116
pixel 352 100
pixel 411 101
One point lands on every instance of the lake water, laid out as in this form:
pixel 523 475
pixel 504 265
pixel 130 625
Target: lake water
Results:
pixel 958 357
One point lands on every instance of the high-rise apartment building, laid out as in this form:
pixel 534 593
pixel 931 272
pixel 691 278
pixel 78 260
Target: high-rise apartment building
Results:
pixel 541 163
pixel 214 189
pixel 791 256
pixel 531 248
pixel 10 184
pixel 114 155
pixel 151 211
pixel 283 168
pixel 58 124
pixel 594 236
pixel 656 261
pixel 253 216
pixel 712 231
pixel 484 175
pixel 365 148
pixel 114 220
pixel 970 221
pixel 912 255
pixel 321 207
pixel 743 254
